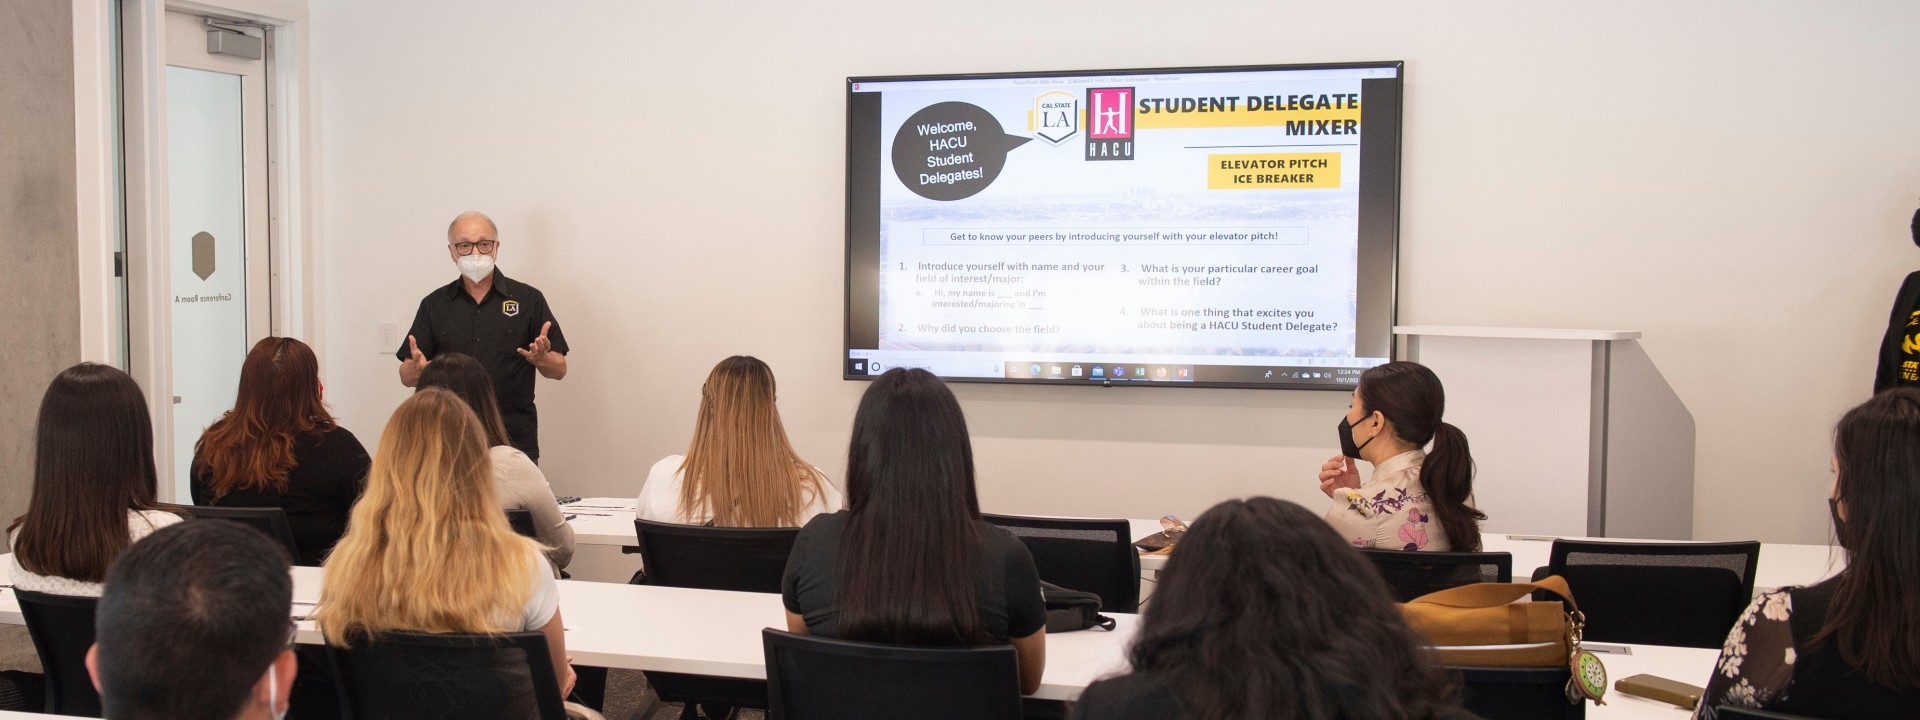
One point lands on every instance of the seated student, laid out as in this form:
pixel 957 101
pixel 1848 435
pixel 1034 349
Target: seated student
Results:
pixel 518 483
pixel 1848 647
pixel 193 625
pixel 910 561
pixel 93 483
pixel 740 471
pixel 429 549
pixel 1264 612
pixel 1416 500
pixel 279 447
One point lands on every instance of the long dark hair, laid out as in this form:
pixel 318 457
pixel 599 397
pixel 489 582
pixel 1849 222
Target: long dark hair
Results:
pixel 467 378
pixel 1263 611
pixel 1874 616
pixel 910 557
pixel 278 402
pixel 1410 397
pixel 92 463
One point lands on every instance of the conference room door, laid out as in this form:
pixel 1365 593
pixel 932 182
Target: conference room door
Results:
pixel 217 218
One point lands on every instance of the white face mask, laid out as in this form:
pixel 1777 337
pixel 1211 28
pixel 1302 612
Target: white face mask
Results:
pixel 475 267
pixel 273 692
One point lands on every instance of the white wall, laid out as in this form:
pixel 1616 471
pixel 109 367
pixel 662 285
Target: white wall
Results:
pixel 1732 178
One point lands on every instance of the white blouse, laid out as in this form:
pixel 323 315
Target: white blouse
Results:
pixel 140 523
pixel 660 497
pixel 1391 511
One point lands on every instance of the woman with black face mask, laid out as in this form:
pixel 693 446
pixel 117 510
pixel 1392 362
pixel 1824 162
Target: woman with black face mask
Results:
pixel 1900 348
pixel 1416 500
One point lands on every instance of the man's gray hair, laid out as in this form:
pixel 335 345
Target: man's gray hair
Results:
pixel 470 215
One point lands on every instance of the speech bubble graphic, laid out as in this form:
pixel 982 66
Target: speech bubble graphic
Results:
pixel 951 151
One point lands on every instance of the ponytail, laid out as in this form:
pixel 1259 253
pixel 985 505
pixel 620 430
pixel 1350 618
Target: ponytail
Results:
pixel 1447 475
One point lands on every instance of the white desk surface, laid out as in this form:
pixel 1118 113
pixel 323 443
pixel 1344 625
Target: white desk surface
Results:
pixel 609 521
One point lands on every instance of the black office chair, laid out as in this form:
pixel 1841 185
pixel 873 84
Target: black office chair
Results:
pixel 1095 556
pixel 1412 574
pixel 406 675
pixel 711 558
pixel 813 678
pixel 1679 594
pixel 1729 712
pixel 1520 693
pixel 522 522
pixel 62 630
pixel 269 520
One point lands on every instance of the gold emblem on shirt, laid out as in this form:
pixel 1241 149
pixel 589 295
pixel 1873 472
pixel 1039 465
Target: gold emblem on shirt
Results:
pixel 510 308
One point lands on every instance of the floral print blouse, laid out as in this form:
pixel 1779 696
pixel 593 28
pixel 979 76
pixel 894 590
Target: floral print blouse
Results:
pixel 1756 666
pixel 1391 511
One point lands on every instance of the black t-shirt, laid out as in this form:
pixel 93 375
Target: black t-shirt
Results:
pixel 1010 603
pixel 329 473
pixel 492 331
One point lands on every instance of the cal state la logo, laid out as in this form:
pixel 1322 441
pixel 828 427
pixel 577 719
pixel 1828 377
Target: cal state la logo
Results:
pixel 1056 117
pixel 510 308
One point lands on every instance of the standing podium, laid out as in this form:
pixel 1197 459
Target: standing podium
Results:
pixel 1574 432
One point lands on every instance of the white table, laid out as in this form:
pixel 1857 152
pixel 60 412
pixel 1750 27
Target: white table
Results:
pixel 711 632
pixel 707 632
pixel 609 521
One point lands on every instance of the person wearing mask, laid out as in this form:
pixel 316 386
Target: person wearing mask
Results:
pixel 1900 346
pixel 93 483
pixel 912 538
pixel 279 447
pixel 505 324
pixel 517 482
pixel 1847 647
pixel 429 549
pixel 740 470
pixel 1264 612
pixel 1415 500
pixel 193 625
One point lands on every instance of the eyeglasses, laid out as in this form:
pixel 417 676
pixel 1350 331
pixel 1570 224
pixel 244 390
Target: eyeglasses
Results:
pixel 467 248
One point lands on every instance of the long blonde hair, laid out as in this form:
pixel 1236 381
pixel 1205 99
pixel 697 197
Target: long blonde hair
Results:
pixel 740 467
pixel 428 548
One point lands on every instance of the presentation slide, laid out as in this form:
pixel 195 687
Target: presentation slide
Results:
pixel 1211 227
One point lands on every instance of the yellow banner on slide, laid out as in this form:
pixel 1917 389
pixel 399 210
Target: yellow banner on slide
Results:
pixel 1250 171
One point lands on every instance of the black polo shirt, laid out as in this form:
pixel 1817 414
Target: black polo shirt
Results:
pixel 492 331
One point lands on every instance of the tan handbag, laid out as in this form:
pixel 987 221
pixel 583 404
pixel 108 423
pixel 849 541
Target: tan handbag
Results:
pixel 1481 625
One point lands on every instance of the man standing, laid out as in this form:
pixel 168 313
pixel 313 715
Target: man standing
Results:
pixel 504 323
pixel 194 625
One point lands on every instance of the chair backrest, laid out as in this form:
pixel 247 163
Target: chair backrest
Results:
pixel 1729 712
pixel 269 520
pixel 1520 693
pixel 1095 556
pixel 522 522
pixel 1681 594
pixel 417 675
pixel 62 630
pixel 714 558
pixel 810 677
pixel 1412 574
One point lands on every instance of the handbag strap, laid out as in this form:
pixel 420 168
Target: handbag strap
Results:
pixel 1482 595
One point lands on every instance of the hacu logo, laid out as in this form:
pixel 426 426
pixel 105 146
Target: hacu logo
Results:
pixel 1110 121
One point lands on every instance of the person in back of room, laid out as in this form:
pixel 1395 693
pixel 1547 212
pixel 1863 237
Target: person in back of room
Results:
pixel 517 482
pixel 912 537
pixel 429 549
pixel 1900 346
pixel 740 470
pixel 193 625
pixel 93 483
pixel 1847 647
pixel 1264 612
pixel 505 324
pixel 1416 500
pixel 279 447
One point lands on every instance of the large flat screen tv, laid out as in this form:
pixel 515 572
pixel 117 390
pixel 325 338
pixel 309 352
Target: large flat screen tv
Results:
pixel 1182 227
